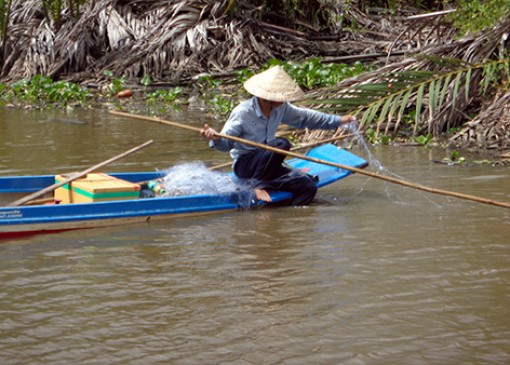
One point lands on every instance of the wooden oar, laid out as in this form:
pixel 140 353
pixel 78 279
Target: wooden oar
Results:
pixel 76 175
pixel 324 162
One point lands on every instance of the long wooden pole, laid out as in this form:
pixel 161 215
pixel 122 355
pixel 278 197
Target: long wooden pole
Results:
pixel 75 176
pixel 308 145
pixel 324 162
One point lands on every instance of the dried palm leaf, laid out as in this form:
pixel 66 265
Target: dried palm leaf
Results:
pixel 491 128
pixel 167 40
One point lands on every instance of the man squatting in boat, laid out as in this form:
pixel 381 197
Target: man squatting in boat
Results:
pixel 257 120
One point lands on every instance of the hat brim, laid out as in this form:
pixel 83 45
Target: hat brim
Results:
pixel 274 84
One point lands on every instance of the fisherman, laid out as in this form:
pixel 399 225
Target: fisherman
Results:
pixel 257 120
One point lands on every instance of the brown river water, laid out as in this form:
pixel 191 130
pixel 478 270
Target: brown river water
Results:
pixel 373 273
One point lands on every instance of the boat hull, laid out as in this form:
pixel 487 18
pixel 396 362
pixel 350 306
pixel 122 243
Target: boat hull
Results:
pixel 22 230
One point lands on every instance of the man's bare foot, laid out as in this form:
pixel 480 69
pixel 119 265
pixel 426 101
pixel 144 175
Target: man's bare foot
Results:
pixel 263 195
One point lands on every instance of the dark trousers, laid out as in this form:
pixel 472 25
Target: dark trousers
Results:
pixel 265 168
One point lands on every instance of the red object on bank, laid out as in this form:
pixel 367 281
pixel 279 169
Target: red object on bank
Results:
pixel 124 94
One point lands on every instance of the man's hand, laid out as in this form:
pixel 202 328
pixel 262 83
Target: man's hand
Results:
pixel 346 119
pixel 208 132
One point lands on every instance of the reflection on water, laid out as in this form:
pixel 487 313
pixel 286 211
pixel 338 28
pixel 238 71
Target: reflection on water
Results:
pixel 373 274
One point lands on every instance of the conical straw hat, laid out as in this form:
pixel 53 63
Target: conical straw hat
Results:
pixel 274 84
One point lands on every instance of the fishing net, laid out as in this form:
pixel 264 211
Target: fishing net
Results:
pixel 194 178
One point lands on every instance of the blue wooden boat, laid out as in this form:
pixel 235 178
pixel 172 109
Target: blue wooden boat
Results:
pixel 32 219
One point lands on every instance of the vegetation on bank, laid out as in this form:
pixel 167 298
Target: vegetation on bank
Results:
pixel 94 51
pixel 473 15
pixel 42 92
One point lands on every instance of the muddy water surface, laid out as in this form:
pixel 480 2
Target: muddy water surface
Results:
pixel 372 273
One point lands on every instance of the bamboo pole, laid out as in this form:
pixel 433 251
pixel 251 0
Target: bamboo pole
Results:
pixel 75 176
pixel 322 141
pixel 308 145
pixel 324 162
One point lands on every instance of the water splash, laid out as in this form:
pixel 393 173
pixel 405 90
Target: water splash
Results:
pixel 378 166
pixel 354 129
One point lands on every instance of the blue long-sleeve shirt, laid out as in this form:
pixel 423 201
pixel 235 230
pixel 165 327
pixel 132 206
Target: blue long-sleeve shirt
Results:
pixel 248 122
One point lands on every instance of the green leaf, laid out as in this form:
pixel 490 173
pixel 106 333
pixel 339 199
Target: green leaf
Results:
pixel 376 89
pixel 432 97
pixel 419 98
pixel 446 85
pixel 403 106
pixel 371 112
pixel 384 111
pixel 395 104
pixel 468 80
pixel 456 87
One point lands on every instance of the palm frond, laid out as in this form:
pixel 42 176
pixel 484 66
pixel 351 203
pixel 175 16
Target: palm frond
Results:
pixel 432 92
pixel 378 101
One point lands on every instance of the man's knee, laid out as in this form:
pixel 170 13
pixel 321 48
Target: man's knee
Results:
pixel 281 143
pixel 304 191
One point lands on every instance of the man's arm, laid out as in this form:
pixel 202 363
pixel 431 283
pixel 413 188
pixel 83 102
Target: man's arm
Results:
pixel 307 118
